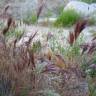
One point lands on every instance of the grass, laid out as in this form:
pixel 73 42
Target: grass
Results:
pixel 25 71
pixel 92 87
pixel 14 33
pixel 67 18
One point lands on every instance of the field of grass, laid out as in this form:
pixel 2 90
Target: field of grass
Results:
pixel 51 70
pixel 55 67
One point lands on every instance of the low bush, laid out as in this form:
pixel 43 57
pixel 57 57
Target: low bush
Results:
pixel 67 18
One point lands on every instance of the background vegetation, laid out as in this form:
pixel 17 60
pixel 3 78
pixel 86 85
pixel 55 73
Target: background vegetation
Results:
pixel 89 1
pixel 67 18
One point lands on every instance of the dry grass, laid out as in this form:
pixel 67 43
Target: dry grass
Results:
pixel 20 73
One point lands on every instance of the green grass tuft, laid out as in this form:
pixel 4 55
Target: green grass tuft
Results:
pixel 67 18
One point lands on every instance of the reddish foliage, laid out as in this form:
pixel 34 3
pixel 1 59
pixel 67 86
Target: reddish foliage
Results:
pixel 71 38
pixel 78 29
pixel 32 58
pixel 9 22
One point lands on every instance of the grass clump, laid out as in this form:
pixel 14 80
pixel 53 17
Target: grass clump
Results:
pixel 17 32
pixel 67 18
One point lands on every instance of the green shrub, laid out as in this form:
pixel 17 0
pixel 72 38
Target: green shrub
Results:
pixel 67 18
